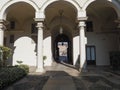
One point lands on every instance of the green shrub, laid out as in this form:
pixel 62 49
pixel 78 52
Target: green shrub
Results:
pixel 24 67
pixel 9 75
pixel 7 52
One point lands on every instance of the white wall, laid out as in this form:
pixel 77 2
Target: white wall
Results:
pixel 24 51
pixel 47 51
pixel 76 50
pixel 104 43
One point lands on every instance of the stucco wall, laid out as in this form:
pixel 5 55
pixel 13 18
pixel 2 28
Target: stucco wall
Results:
pixel 104 43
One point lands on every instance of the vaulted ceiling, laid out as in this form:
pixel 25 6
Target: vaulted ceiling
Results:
pixel 101 10
pixel 20 11
pixel 53 11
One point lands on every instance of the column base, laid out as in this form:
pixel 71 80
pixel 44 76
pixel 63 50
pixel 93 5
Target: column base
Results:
pixel 40 70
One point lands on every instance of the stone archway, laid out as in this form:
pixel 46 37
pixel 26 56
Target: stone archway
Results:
pixel 20 17
pixel 73 3
pixel 62 49
pixel 7 5
pixel 113 4
pixel 54 21
pixel 64 37
pixel 104 37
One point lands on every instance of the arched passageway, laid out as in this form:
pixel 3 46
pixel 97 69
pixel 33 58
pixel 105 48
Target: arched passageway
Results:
pixel 19 33
pixel 63 17
pixel 101 32
pixel 62 49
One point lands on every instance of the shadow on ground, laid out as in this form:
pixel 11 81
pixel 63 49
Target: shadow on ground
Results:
pixel 30 82
pixel 94 83
pixel 91 80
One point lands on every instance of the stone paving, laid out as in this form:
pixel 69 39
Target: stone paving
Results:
pixel 63 77
pixel 60 83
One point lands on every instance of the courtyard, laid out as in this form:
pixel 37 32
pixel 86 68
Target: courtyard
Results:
pixel 68 44
pixel 63 77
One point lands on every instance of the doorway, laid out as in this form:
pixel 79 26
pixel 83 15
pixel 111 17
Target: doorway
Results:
pixel 62 52
pixel 91 55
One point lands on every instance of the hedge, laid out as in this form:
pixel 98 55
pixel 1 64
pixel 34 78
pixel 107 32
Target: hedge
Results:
pixel 9 75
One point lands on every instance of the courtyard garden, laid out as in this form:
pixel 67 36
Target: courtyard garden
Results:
pixel 10 74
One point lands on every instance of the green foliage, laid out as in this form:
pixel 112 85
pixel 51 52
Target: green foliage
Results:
pixel 24 67
pixel 19 62
pixel 9 75
pixel 7 52
pixel 115 59
pixel 44 57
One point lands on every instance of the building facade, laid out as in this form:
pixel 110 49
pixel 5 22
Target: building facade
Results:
pixel 78 32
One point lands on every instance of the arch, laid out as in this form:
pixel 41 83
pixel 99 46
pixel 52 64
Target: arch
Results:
pixel 66 30
pixel 111 3
pixel 75 4
pixel 9 3
pixel 66 22
pixel 62 39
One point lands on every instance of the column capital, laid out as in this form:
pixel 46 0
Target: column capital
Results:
pixel 40 25
pixel 5 22
pixel 81 24
pixel 39 22
pixel 2 26
pixel 39 19
pixel 82 19
pixel 1 20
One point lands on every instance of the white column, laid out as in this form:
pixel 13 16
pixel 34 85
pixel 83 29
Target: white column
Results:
pixel 40 48
pixel 1 34
pixel 82 45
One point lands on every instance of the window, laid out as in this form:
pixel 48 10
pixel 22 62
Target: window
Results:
pixel 11 38
pixel 12 24
pixel 33 28
pixel 90 54
pixel 89 26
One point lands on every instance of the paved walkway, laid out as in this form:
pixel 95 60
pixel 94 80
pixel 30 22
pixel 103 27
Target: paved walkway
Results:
pixel 60 77
pixel 63 77
pixel 60 83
